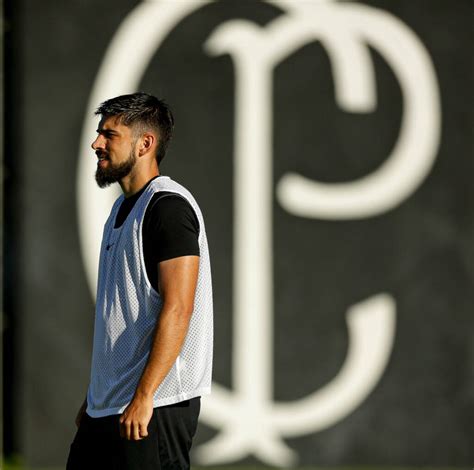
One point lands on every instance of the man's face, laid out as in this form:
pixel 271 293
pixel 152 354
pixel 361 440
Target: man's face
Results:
pixel 115 149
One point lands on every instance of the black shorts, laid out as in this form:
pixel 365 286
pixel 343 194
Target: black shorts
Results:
pixel 98 445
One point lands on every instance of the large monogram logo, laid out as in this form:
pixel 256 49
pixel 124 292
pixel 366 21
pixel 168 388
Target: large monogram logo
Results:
pixel 249 420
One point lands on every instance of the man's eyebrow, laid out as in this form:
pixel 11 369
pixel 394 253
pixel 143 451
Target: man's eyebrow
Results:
pixel 106 131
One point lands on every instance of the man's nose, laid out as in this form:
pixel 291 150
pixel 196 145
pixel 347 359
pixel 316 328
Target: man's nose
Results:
pixel 98 143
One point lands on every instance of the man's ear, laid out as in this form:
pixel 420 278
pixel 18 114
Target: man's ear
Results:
pixel 146 143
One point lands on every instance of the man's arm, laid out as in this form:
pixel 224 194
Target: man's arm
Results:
pixel 177 286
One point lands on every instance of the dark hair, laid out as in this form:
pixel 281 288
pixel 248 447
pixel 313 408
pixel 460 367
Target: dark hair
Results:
pixel 142 112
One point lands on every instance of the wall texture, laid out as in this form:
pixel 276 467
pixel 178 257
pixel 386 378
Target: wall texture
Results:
pixel 416 406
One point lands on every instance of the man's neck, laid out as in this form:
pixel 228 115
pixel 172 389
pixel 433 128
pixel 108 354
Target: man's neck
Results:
pixel 132 183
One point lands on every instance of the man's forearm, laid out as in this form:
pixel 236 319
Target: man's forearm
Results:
pixel 178 280
pixel 168 339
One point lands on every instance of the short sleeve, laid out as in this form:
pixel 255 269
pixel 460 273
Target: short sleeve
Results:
pixel 172 228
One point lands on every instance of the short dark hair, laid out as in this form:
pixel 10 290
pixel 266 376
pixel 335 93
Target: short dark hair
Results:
pixel 143 112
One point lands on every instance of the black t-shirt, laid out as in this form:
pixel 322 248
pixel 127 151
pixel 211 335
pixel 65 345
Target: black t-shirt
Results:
pixel 170 228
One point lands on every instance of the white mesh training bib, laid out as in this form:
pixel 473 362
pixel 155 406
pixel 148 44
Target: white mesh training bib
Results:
pixel 127 309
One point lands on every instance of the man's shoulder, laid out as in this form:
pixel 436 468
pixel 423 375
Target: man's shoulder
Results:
pixel 166 205
pixel 168 187
pixel 165 184
pixel 166 199
pixel 171 211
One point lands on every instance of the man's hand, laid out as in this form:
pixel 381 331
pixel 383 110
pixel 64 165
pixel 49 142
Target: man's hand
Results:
pixel 81 413
pixel 134 420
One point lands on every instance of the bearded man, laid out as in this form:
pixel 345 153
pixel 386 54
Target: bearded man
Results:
pixel 153 332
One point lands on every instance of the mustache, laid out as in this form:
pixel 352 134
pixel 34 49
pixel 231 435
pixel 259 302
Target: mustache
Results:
pixel 100 153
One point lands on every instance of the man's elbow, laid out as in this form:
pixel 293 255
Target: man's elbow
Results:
pixel 181 311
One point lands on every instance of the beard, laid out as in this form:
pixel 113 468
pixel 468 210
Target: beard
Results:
pixel 111 174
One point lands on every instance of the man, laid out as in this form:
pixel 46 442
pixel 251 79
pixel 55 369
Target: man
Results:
pixel 152 352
